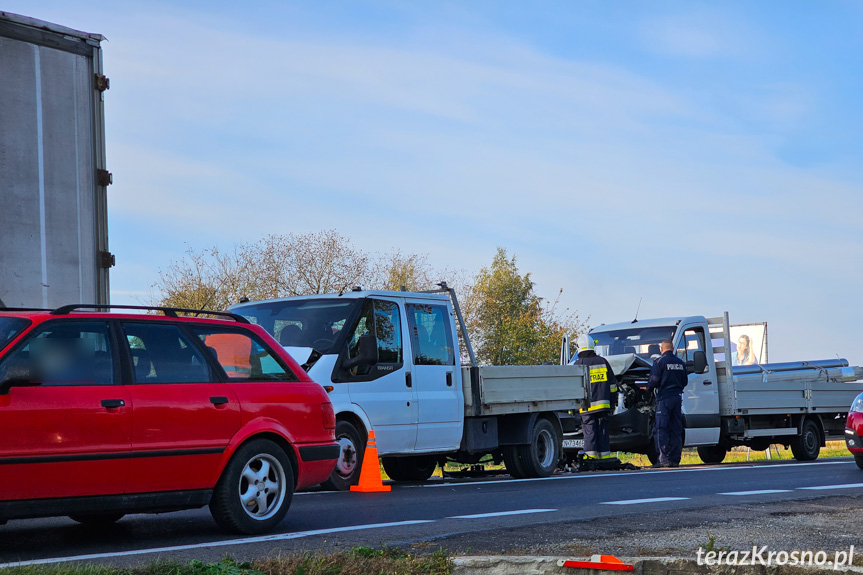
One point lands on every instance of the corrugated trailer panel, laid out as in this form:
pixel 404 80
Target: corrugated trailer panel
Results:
pixel 53 221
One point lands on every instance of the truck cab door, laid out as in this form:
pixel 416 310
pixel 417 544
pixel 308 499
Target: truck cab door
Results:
pixel 701 397
pixel 441 406
pixel 385 391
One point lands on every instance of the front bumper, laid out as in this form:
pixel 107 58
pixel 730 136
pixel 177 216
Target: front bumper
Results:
pixel 853 441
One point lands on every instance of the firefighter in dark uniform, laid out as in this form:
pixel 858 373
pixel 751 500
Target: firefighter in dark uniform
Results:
pixel 594 419
pixel 667 379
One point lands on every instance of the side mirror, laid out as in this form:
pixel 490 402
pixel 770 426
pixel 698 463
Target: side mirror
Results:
pixel 17 375
pixel 699 362
pixel 367 352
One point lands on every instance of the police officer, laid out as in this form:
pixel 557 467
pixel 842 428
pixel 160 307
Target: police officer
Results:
pixel 594 419
pixel 668 378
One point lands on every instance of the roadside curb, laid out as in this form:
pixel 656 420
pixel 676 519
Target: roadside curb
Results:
pixel 526 565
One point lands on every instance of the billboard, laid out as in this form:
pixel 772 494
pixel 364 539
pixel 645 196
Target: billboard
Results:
pixel 749 344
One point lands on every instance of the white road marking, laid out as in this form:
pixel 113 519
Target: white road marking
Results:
pixel 224 543
pixel 757 492
pixel 502 513
pixel 732 467
pixel 638 501
pixel 846 486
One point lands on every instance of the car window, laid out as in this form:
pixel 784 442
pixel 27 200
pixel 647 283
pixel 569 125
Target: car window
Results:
pixel 10 327
pixel 161 353
pixel 431 334
pixel 242 356
pixel 66 353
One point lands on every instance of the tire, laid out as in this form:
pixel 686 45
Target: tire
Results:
pixel 237 506
pixel 807 446
pixel 712 454
pixel 540 457
pixel 512 461
pixel 97 519
pixel 858 459
pixel 418 468
pixel 347 470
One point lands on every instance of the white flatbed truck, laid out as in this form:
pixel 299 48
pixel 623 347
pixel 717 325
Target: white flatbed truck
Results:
pixel 391 362
pixel 798 404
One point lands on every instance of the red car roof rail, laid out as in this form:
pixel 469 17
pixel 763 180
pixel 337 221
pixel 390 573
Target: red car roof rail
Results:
pixel 168 311
pixel 4 308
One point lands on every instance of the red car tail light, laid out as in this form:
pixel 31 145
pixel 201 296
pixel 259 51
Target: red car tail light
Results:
pixel 329 415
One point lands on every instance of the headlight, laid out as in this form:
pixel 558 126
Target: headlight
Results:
pixel 858 404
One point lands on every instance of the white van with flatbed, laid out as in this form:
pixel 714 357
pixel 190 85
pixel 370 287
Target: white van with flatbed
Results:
pixel 391 362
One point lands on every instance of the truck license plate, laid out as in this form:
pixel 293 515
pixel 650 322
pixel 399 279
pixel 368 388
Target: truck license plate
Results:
pixel 573 443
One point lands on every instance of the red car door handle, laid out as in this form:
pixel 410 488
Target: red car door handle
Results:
pixel 218 400
pixel 112 403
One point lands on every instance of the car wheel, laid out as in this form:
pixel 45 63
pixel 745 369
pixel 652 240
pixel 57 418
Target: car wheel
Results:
pixel 858 459
pixel 712 454
pixel 255 489
pixel 807 446
pixel 417 468
pixel 541 456
pixel 351 449
pixel 97 519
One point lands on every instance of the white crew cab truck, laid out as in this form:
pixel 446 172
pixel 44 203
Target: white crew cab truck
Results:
pixel 390 362
pixel 798 404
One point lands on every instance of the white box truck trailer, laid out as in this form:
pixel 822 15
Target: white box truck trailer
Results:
pixel 53 207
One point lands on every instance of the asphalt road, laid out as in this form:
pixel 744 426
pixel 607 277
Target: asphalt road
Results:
pixel 434 511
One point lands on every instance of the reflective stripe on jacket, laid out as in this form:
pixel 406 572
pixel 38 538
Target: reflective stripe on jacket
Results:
pixel 602 381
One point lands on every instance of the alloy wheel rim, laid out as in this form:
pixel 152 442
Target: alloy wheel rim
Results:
pixel 347 462
pixel 545 448
pixel 262 487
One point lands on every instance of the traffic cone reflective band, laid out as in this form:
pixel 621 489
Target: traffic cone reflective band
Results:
pixel 603 562
pixel 370 473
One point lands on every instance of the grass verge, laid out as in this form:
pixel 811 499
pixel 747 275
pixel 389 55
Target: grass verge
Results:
pixel 357 561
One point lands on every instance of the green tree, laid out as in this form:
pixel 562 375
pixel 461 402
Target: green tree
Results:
pixel 509 323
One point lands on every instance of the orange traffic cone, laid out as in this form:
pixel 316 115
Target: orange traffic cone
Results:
pixel 370 474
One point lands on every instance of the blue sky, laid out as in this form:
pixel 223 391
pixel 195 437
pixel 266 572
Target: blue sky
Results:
pixel 705 156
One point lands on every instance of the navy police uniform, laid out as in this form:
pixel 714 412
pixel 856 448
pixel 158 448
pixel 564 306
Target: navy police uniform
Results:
pixel 668 377
pixel 594 419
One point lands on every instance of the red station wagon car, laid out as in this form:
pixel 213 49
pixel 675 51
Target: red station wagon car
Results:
pixel 103 414
pixel 854 430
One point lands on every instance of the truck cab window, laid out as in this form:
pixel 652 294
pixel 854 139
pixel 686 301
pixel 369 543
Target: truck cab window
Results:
pixel 384 320
pixel 692 341
pixel 432 337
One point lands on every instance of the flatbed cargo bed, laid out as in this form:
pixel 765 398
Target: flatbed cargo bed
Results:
pixel 505 390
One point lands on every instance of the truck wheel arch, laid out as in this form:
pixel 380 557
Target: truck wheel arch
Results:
pixel 515 429
pixel 801 419
pixel 362 424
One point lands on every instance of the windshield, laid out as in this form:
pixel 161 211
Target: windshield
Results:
pixel 10 327
pixel 640 341
pixel 314 323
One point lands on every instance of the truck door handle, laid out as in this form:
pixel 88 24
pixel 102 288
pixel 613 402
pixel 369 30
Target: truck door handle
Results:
pixel 218 400
pixel 112 403
pixel 408 381
pixel 449 378
pixel 708 382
